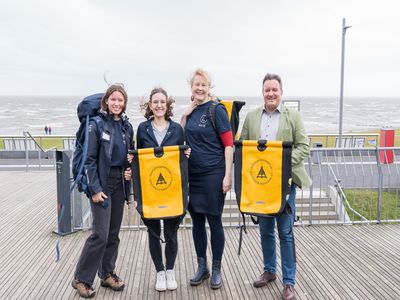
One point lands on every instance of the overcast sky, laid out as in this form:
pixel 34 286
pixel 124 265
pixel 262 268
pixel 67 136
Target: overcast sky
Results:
pixel 51 47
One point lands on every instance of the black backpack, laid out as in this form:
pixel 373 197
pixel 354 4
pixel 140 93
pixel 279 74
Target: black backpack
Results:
pixel 88 109
pixel 235 108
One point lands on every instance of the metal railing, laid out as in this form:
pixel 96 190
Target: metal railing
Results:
pixel 351 186
pixel 27 152
pixel 28 137
pixel 67 142
pixel 349 140
pixel 17 142
pixel 342 194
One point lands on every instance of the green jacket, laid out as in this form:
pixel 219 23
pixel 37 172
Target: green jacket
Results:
pixel 291 129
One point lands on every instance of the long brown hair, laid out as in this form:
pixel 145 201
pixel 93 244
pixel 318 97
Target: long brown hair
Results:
pixel 114 88
pixel 146 106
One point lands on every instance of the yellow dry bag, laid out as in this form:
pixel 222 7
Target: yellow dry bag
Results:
pixel 160 178
pixel 262 176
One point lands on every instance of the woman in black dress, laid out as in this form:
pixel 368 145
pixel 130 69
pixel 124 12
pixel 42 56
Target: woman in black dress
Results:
pixel 210 174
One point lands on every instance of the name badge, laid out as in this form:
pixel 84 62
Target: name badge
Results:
pixel 105 136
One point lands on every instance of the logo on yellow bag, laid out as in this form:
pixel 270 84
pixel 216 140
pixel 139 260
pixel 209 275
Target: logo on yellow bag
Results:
pixel 160 178
pixel 261 171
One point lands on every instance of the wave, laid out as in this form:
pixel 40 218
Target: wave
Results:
pixel 320 115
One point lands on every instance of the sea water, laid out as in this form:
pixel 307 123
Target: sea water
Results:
pixel 320 114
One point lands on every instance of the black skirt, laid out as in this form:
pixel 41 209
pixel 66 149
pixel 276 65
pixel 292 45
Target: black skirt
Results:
pixel 205 192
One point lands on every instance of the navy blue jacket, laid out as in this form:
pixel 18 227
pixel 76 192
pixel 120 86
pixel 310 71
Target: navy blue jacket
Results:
pixel 145 136
pixel 98 162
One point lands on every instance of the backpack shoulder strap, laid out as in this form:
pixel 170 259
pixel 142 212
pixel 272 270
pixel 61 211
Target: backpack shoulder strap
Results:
pixel 85 145
pixel 99 123
pixel 212 114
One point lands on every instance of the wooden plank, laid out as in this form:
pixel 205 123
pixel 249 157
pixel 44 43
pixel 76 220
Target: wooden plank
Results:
pixel 318 263
pixel 333 262
pixel 370 261
pixel 356 265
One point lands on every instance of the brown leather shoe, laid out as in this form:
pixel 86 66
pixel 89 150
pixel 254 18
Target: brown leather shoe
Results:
pixel 288 292
pixel 84 290
pixel 113 282
pixel 264 278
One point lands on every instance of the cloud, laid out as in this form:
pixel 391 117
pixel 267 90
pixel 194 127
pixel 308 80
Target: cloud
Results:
pixel 64 47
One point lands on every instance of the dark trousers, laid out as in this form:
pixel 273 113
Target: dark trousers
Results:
pixel 101 248
pixel 171 242
pixel 200 234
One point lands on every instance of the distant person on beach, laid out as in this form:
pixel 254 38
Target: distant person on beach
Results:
pixel 273 121
pixel 46 129
pixel 210 175
pixel 158 131
pixel 108 175
pixel 49 130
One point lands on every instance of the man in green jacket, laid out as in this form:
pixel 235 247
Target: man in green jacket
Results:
pixel 273 121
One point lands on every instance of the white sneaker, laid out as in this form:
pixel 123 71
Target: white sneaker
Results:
pixel 161 283
pixel 171 282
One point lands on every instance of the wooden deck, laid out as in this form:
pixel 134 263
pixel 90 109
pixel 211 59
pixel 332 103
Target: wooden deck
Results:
pixel 334 262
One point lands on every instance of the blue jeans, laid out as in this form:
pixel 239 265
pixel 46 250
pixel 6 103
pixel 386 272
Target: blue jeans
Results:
pixel 286 238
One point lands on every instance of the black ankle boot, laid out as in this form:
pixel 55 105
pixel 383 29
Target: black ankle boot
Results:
pixel 202 272
pixel 216 280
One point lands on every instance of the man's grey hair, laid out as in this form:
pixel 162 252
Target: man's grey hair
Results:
pixel 270 76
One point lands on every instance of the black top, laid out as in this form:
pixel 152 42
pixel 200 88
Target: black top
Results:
pixel 146 139
pixel 101 144
pixel 118 156
pixel 207 148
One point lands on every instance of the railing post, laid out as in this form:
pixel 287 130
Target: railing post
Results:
pixel 54 157
pixel 26 151
pixel 310 196
pixel 40 159
pixel 380 183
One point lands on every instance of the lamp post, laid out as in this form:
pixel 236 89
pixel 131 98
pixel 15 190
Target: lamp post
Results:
pixel 344 28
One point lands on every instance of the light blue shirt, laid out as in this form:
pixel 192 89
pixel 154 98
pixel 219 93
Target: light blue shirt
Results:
pixel 160 135
pixel 270 124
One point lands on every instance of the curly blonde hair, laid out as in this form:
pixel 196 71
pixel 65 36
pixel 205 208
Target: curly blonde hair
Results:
pixel 202 73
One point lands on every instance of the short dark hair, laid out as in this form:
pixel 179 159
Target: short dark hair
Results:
pixel 146 106
pixel 270 76
pixel 114 88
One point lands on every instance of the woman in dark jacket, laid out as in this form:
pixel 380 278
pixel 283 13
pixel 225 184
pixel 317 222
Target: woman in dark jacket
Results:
pixel 210 174
pixel 110 137
pixel 158 131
